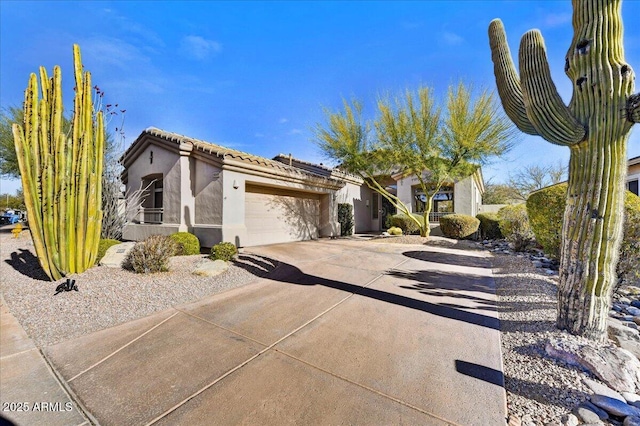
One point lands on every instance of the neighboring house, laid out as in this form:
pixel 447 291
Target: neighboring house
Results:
pixel 221 194
pixel 633 175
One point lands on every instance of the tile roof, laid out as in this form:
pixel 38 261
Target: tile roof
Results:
pixel 221 151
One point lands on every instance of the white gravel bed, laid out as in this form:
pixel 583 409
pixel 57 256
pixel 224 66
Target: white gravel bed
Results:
pixel 540 390
pixel 105 296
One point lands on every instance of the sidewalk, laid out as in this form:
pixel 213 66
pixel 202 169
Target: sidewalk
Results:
pixel 343 332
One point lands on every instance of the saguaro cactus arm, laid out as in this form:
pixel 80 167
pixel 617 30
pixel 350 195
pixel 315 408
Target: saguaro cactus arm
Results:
pixel 508 80
pixel 531 101
pixel 549 115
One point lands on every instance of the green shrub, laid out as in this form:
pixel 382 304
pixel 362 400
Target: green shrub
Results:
pixel 514 226
pixel 629 264
pixel 223 251
pixel 489 226
pixel 394 231
pixel 103 246
pixel 545 209
pixel 458 226
pixel 406 224
pixel 151 255
pixel 345 217
pixel 187 243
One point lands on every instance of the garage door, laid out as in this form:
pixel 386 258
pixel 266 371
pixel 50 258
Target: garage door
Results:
pixel 279 216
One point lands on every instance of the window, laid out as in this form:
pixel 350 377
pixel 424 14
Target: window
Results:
pixel 374 206
pixel 632 185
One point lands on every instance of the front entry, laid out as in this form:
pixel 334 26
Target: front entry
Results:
pixel 388 210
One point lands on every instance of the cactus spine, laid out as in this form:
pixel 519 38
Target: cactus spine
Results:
pixel 61 173
pixel 595 126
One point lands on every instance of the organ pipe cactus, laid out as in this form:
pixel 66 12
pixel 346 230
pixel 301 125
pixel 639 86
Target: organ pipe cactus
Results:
pixel 595 126
pixel 61 173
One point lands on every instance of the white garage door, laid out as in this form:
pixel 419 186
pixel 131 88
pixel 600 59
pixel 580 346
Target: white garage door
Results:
pixel 278 216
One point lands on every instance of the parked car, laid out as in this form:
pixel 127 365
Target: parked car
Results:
pixel 10 217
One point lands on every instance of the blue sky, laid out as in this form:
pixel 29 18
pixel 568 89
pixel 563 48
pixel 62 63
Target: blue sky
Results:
pixel 255 76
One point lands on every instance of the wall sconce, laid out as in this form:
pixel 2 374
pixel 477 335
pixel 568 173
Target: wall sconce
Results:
pixel 235 184
pixel 366 203
pixel 151 157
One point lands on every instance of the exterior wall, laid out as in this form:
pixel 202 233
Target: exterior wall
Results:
pixel 167 164
pixel 490 208
pixel 405 193
pixel 466 197
pixel 633 173
pixel 359 196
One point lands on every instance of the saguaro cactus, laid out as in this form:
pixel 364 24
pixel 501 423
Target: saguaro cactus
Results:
pixel 61 173
pixel 595 126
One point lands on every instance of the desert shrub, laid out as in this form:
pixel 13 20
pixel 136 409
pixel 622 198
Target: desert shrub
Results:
pixel 458 226
pixel 151 255
pixel 187 243
pixel 223 251
pixel 514 226
pixel 406 224
pixel 545 209
pixel 394 231
pixel 489 226
pixel 345 217
pixel 629 264
pixel 103 246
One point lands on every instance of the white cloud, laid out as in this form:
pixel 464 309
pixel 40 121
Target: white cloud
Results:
pixel 452 39
pixel 200 48
pixel 295 132
pixel 259 135
pixel 283 120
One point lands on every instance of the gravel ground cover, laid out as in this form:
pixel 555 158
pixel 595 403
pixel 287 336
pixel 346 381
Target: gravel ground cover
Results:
pixel 106 296
pixel 540 391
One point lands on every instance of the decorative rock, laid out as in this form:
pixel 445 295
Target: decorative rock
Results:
pixel 599 411
pixel 630 397
pixel 635 303
pixel 617 331
pixel 514 421
pixel 614 407
pixel 631 421
pixel 210 268
pixel 570 420
pixel 586 414
pixel 600 389
pixel 616 367
pixel 115 255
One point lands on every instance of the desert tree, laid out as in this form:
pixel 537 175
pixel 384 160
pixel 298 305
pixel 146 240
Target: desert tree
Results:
pixel 413 136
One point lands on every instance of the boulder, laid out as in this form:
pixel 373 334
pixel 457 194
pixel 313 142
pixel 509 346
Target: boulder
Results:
pixel 614 407
pixel 631 421
pixel 616 367
pixel 211 268
pixel 115 255
pixel 600 389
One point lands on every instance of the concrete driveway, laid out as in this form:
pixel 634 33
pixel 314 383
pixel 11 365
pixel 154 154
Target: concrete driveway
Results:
pixel 341 332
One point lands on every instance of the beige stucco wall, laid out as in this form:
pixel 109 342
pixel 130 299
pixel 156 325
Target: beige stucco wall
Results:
pixel 166 163
pixel 359 196
pixel 208 194
pixel 466 197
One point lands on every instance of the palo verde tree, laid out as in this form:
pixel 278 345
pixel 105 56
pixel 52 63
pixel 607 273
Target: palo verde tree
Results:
pixel 61 173
pixel 595 126
pixel 411 136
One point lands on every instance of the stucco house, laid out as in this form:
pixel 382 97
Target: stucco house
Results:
pixel 221 194
pixel 633 175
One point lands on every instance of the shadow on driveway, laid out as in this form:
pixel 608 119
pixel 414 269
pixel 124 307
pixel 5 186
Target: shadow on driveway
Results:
pixel 290 274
